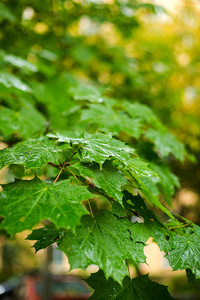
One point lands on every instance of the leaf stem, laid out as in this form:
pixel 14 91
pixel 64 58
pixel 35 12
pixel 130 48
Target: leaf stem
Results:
pixel 90 208
pixel 74 153
pixel 59 174
pixel 73 174
pixel 93 187
pixel 57 166
pixel 179 226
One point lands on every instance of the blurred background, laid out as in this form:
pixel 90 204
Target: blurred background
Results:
pixel 144 52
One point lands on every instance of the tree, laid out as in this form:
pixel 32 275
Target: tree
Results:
pixel 93 161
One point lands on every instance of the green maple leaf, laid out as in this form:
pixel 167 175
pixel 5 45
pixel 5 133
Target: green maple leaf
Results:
pixel 25 203
pixel 192 280
pixel 17 61
pixel 12 82
pixel 86 92
pixel 136 204
pixel 108 178
pixel 118 210
pixel 185 250
pixel 150 225
pixel 166 143
pixel 168 181
pixel 21 123
pixel 152 184
pixel 60 107
pixel 112 122
pixel 104 241
pixel 140 168
pixel 140 288
pixel 97 147
pixel 33 153
pixel 141 232
pixel 145 192
pixel 45 236
pixel 145 113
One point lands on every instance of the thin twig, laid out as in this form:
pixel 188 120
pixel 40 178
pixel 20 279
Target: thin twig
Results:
pixel 73 175
pixel 58 166
pixel 59 174
pixel 179 226
pixel 111 199
pixel 54 165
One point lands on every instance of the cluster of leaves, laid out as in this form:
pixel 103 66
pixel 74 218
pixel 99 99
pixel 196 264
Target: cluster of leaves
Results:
pixel 92 162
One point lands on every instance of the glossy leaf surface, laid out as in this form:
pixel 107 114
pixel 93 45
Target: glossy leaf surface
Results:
pixel 140 168
pixel 112 122
pixel 185 251
pixel 146 193
pixel 33 153
pixel 98 147
pixel 45 236
pixel 26 203
pixel 108 178
pixel 151 228
pixel 105 241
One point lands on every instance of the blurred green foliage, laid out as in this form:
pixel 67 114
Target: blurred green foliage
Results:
pixel 139 51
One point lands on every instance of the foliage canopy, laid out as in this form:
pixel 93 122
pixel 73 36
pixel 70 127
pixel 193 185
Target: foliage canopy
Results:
pixel 95 156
